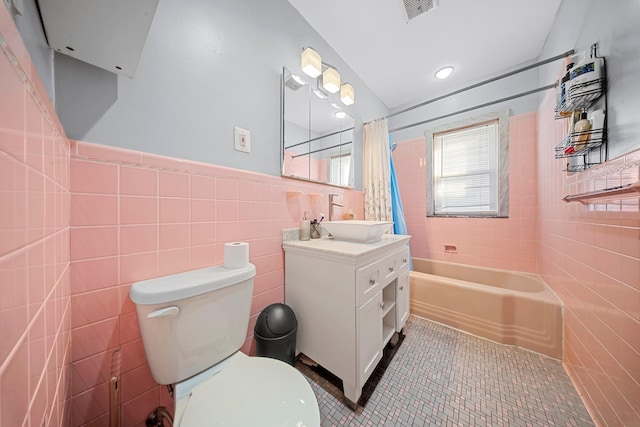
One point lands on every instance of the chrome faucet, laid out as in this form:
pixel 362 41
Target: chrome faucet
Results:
pixel 332 203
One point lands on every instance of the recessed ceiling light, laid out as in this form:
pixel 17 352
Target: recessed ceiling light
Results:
pixel 340 114
pixel 444 72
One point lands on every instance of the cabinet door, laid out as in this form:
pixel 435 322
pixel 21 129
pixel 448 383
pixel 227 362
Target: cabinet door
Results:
pixel 402 300
pixel 369 337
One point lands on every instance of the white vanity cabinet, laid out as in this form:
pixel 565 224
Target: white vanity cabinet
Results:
pixel 349 299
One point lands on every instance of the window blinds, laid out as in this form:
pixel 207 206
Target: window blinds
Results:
pixel 466 170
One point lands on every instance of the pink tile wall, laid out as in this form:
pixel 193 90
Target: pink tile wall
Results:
pixel 507 243
pixel 590 255
pixel 136 216
pixel 35 348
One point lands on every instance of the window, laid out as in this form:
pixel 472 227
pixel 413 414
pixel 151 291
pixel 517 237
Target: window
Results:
pixel 469 169
pixel 339 169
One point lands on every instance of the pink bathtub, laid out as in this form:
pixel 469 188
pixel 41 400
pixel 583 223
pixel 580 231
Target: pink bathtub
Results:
pixel 503 306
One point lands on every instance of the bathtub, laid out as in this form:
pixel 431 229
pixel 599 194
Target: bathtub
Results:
pixel 504 306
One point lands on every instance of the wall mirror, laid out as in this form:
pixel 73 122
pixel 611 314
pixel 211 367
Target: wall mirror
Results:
pixel 317 135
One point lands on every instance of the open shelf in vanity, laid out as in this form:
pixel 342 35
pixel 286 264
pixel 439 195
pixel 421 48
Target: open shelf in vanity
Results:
pixel 350 300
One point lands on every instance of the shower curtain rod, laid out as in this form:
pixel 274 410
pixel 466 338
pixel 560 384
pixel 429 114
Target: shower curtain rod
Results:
pixel 320 137
pixel 321 149
pixel 491 80
pixel 486 104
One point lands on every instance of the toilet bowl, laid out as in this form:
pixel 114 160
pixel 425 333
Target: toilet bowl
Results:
pixel 192 326
pixel 247 391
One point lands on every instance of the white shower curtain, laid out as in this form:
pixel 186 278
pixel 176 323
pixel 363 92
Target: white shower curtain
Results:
pixel 376 171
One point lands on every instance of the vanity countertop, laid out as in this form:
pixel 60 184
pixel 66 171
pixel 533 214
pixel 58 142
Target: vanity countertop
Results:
pixel 342 248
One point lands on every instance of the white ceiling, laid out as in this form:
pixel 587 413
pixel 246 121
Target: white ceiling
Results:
pixel 397 60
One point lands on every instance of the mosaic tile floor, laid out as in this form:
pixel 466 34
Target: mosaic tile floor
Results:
pixel 443 377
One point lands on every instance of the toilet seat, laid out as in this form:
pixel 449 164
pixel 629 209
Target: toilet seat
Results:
pixel 250 391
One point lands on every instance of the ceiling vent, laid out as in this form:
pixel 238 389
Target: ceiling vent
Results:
pixel 414 8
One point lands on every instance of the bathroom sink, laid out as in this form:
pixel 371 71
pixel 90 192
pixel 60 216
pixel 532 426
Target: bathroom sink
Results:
pixel 358 230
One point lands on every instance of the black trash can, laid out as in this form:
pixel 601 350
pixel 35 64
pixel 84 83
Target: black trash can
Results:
pixel 275 333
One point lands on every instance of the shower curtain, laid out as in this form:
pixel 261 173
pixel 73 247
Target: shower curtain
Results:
pixel 399 224
pixel 381 191
pixel 376 171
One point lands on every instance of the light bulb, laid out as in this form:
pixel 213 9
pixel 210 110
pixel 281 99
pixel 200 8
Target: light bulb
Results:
pixel 347 95
pixel 311 62
pixel 331 80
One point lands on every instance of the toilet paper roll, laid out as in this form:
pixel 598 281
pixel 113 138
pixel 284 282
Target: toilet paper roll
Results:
pixel 236 254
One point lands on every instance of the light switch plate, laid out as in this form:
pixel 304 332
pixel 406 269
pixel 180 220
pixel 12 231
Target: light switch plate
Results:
pixel 242 140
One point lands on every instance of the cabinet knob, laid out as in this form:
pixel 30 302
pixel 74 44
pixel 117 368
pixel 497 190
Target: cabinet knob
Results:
pixel 372 282
pixel 404 260
pixel 382 305
pixel 390 269
pixel 402 288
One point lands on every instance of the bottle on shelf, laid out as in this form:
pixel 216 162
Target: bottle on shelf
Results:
pixel 585 84
pixel 582 131
pixel 562 102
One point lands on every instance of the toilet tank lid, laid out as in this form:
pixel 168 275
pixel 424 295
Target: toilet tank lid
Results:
pixel 161 290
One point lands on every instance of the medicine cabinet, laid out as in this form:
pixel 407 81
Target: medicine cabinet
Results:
pixel 581 89
pixel 317 134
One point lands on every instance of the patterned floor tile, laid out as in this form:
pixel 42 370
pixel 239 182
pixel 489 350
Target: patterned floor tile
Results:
pixel 440 376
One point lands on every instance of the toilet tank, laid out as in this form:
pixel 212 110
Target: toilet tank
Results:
pixel 191 321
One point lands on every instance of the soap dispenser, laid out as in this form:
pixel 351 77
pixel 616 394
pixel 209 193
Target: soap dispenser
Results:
pixel 305 228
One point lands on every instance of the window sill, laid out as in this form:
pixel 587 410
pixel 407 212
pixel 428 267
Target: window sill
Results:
pixel 466 216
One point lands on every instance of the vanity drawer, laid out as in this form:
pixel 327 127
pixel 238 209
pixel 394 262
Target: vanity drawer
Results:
pixel 367 282
pixel 403 260
pixel 389 268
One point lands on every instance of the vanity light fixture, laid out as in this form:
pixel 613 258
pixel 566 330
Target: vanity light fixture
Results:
pixel 311 62
pixel 312 65
pixel 347 95
pixel 340 114
pixel 331 80
pixel 444 72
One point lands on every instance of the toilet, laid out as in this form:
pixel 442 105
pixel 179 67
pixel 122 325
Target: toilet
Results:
pixel 193 325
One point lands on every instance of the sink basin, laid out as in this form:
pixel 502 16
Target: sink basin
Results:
pixel 358 230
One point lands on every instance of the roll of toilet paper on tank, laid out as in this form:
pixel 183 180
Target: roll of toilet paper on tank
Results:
pixel 236 254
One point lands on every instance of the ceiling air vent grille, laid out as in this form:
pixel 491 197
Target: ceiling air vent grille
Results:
pixel 414 8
